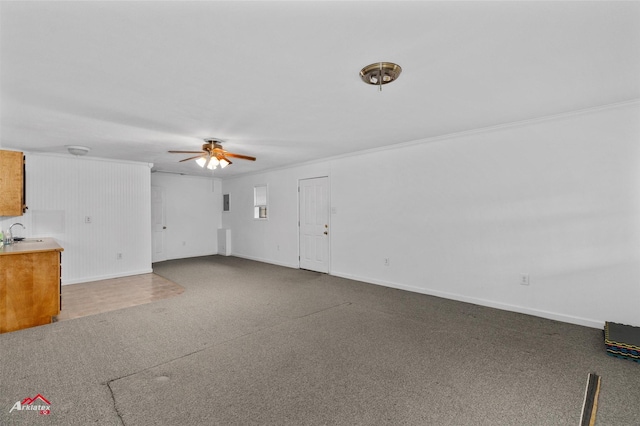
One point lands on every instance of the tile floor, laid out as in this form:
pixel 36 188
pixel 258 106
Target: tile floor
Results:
pixel 95 297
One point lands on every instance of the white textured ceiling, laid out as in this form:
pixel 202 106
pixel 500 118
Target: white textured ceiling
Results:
pixel 279 80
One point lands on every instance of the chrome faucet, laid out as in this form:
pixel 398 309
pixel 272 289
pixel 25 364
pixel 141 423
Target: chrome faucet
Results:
pixel 10 236
pixel 11 227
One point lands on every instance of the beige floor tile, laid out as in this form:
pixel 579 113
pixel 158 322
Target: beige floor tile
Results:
pixel 92 298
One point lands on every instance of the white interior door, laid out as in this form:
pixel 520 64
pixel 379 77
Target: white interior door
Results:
pixel 157 224
pixel 314 224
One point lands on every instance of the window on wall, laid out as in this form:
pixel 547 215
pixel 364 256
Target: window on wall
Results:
pixel 260 202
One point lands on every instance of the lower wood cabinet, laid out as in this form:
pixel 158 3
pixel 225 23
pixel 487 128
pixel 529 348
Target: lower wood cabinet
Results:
pixel 29 288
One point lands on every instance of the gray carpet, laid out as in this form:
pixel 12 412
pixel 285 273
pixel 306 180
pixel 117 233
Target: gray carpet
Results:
pixel 256 344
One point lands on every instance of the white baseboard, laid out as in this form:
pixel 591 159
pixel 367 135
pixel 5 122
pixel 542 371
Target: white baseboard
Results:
pixel 187 256
pixel 105 277
pixel 273 262
pixel 587 322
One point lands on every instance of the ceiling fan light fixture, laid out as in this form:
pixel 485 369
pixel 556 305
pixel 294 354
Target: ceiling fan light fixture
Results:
pixel 380 73
pixel 213 155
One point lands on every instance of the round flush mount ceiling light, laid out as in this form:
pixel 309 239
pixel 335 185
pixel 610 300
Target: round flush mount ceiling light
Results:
pixel 380 73
pixel 78 150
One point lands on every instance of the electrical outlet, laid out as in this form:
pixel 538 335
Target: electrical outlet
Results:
pixel 386 261
pixel 87 219
pixel 524 279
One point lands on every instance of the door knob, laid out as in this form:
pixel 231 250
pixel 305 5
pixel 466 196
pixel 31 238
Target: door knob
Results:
pixel 326 233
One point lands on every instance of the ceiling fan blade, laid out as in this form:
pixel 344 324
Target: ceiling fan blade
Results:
pixel 191 158
pixel 186 152
pixel 240 156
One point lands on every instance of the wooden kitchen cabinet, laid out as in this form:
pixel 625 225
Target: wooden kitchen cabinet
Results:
pixel 29 284
pixel 12 183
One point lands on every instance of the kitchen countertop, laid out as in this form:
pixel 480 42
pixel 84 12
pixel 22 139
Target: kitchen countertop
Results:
pixel 30 245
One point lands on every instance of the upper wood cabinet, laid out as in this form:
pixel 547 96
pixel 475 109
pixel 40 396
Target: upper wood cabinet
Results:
pixel 12 188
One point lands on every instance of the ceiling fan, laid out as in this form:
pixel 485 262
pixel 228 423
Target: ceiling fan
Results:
pixel 213 155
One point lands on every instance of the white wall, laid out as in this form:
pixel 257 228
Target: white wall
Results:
pixel 63 190
pixel 193 207
pixel 274 240
pixel 463 216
